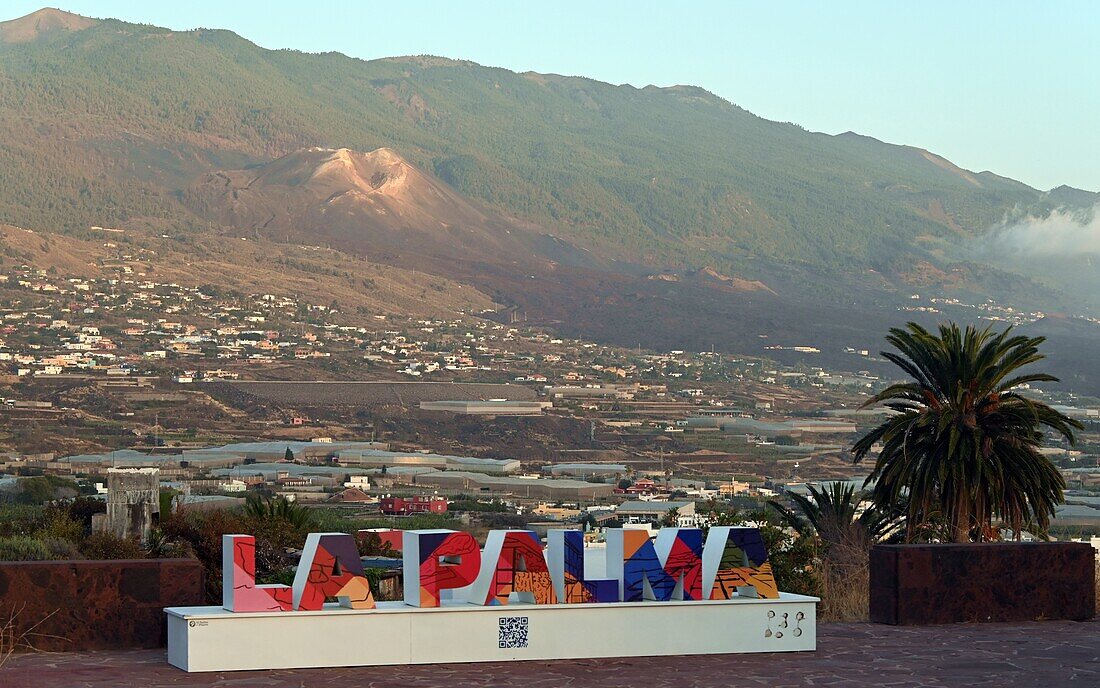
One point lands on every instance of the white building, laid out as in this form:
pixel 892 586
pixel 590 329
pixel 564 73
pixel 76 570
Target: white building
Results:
pixel 639 512
pixel 359 481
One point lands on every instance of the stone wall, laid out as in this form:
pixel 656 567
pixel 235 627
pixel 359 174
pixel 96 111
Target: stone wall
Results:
pixel 97 605
pixel 1011 581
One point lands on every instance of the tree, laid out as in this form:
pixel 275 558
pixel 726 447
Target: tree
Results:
pixel 833 513
pixel 837 528
pixel 167 500
pixel 671 519
pixel 372 545
pixel 36 490
pixel 288 455
pixel 963 443
pixel 299 517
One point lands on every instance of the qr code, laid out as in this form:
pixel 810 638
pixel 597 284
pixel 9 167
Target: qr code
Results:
pixel 513 632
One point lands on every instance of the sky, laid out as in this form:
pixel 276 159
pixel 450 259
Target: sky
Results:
pixel 1007 86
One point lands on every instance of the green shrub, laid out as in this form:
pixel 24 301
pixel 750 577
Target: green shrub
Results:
pixel 374 576
pixel 25 548
pixel 83 508
pixel 167 496
pixel 108 546
pixel 161 545
pixel 281 577
pixel 62 549
pixel 44 488
pixel 20 519
pixel 58 523
pixel 202 531
pixel 330 521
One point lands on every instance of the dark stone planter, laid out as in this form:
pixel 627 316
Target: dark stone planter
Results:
pixel 98 605
pixel 913 585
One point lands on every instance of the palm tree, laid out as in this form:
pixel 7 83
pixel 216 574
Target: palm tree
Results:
pixel 963 443
pixel 671 519
pixel 161 545
pixel 834 514
pixel 280 509
pixel 838 525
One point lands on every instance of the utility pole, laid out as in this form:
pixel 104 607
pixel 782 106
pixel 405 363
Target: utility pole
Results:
pixel 661 451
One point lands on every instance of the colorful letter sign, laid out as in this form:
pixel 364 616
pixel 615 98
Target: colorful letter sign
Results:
pixel 239 590
pixel 565 555
pixel 438 560
pixel 446 565
pixel 514 564
pixel 736 560
pixel 632 559
pixel 331 567
pixel 517 598
pixel 681 553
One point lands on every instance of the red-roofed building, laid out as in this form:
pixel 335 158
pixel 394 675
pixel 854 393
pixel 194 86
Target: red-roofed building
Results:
pixel 642 486
pixel 404 506
pixel 352 494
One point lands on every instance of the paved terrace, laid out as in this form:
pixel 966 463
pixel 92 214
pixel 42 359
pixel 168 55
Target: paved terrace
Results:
pixel 1050 654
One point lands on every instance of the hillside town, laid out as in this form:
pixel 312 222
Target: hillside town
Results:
pixel 226 393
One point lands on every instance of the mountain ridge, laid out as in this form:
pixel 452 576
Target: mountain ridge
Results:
pixel 692 171
pixel 40 22
pixel 564 195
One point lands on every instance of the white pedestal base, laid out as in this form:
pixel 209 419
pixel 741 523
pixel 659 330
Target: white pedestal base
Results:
pixel 212 639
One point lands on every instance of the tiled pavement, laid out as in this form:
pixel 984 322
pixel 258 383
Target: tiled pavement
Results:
pixel 1048 654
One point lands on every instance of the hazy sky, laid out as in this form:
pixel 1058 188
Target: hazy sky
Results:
pixel 1008 86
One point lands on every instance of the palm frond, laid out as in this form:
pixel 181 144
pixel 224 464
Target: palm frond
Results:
pixel 964 446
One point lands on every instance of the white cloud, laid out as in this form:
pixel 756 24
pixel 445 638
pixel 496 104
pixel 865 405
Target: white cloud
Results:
pixel 1062 233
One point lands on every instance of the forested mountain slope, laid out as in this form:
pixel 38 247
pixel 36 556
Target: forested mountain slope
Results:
pixel 106 122
pixel 665 217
